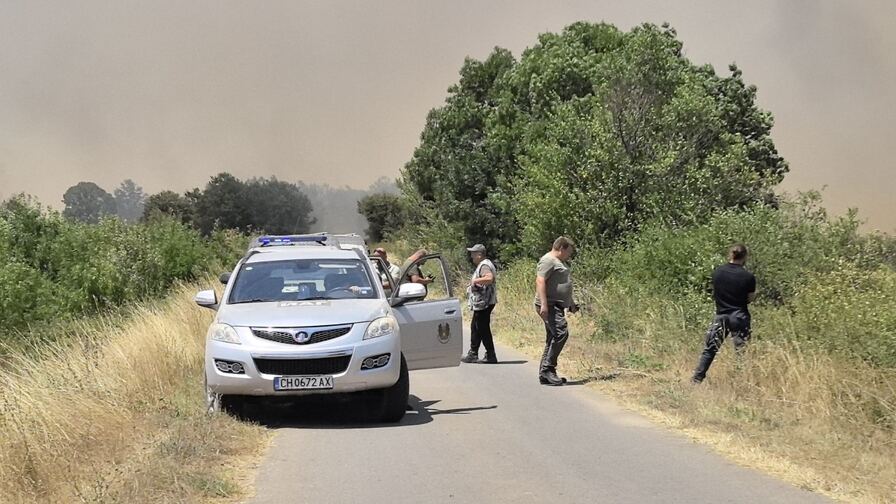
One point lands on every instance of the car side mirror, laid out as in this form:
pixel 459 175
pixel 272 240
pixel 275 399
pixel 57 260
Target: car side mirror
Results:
pixel 410 291
pixel 224 278
pixel 207 299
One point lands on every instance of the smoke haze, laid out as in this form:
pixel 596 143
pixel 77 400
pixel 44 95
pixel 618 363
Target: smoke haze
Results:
pixel 333 92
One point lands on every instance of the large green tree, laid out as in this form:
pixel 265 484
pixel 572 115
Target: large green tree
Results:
pixel 260 204
pixel 169 203
pixel 87 202
pixel 222 205
pixel 384 213
pixel 277 207
pixel 593 132
pixel 461 169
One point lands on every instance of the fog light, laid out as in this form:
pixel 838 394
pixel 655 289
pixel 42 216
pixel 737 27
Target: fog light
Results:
pixel 375 361
pixel 230 367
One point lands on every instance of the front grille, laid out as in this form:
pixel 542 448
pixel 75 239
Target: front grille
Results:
pixel 328 365
pixel 317 334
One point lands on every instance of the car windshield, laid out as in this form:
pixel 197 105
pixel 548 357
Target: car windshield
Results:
pixel 301 279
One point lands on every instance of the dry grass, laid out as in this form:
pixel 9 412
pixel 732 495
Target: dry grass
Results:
pixel 117 415
pixel 821 422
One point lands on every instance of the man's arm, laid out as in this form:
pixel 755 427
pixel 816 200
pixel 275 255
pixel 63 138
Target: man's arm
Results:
pixel 420 279
pixel 542 294
pixel 487 278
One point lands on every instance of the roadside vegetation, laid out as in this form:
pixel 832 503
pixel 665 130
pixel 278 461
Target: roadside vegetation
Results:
pixel 101 352
pixel 116 414
pixel 654 166
pixel 814 402
pixel 54 269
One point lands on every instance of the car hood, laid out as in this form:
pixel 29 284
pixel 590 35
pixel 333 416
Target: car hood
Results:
pixel 302 313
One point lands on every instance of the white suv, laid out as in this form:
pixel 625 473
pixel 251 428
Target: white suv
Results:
pixel 307 315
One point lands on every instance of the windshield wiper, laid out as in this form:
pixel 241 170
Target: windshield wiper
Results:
pixel 255 300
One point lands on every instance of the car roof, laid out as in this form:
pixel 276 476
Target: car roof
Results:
pixel 286 253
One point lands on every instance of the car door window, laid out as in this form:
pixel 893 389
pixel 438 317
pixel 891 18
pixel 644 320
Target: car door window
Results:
pixel 432 267
pixel 382 272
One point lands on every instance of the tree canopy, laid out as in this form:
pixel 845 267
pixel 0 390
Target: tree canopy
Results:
pixel 592 133
pixel 384 213
pixel 169 203
pixel 87 202
pixel 261 204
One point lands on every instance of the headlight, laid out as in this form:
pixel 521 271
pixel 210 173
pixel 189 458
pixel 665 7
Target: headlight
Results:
pixel 223 332
pixel 383 326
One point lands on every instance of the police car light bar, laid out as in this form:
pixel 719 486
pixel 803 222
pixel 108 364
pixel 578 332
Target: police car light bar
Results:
pixel 275 240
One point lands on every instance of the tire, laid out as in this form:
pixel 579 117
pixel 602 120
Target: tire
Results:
pixel 394 400
pixel 219 403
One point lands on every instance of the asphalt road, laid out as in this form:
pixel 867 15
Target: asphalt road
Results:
pixel 492 434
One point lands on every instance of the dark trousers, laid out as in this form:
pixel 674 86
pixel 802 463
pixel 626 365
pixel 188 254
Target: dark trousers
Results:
pixel 735 324
pixel 556 333
pixel 481 331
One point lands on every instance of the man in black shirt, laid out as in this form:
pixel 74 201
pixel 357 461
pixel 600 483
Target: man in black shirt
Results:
pixel 733 288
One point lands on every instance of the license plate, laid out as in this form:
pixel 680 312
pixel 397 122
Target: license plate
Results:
pixel 303 382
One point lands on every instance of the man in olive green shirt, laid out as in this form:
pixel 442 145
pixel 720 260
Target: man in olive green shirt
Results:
pixel 553 296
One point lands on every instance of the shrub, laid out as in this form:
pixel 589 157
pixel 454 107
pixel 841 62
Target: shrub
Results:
pixel 786 245
pixel 51 267
pixel 850 311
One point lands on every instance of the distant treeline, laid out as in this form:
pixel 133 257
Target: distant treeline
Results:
pixel 105 250
pixel 226 202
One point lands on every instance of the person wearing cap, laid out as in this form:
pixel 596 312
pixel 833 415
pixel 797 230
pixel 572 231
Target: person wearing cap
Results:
pixel 482 296
pixel 391 269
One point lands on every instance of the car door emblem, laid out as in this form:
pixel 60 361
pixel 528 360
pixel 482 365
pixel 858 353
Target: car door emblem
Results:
pixel 444 333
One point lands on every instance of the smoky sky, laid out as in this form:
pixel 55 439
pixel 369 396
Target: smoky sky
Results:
pixel 169 93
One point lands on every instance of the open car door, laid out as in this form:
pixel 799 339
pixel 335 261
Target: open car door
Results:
pixel 431 328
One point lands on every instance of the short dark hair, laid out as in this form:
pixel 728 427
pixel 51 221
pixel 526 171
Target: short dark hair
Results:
pixel 737 251
pixel 563 243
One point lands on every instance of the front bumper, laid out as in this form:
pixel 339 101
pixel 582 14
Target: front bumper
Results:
pixel 256 383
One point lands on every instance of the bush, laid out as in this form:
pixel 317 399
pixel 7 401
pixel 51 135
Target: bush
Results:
pixel 786 245
pixel 850 311
pixel 820 282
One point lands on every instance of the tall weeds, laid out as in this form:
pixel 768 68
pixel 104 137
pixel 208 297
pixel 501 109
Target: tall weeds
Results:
pixel 116 414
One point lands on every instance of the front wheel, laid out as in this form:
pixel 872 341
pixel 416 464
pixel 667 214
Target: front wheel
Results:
pixel 394 400
pixel 218 403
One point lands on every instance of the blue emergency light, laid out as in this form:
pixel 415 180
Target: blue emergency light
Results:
pixel 268 241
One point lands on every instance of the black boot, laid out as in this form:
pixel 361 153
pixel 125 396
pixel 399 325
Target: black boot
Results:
pixel 550 378
pixel 489 358
pixel 470 358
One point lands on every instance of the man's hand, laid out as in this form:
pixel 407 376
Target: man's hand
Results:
pixel 543 312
